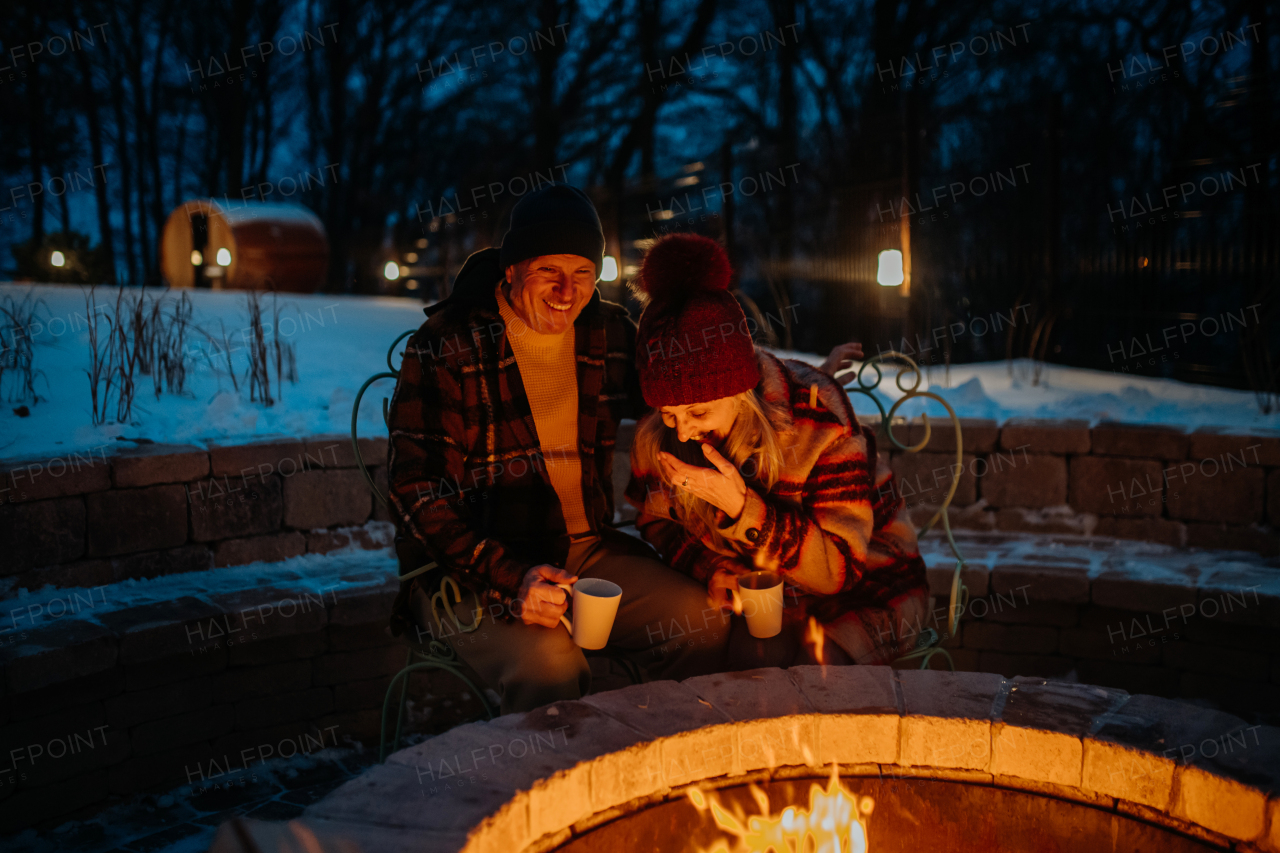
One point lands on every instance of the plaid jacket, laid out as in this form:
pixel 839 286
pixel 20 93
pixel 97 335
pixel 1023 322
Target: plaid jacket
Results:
pixel 833 525
pixel 467 482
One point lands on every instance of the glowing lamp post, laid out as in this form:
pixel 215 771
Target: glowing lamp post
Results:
pixel 889 270
pixel 224 257
pixel 609 270
pixel 391 271
pixel 57 259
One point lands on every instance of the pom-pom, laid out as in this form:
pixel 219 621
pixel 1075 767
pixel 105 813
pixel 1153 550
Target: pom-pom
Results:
pixel 679 265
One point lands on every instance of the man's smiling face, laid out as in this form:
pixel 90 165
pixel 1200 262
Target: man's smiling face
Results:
pixel 549 292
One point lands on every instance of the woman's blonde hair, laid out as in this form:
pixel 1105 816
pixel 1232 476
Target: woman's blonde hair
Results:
pixel 752 446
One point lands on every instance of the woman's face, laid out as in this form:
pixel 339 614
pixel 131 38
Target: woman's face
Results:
pixel 702 421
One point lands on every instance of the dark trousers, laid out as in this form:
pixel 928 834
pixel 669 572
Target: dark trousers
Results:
pixel 664 624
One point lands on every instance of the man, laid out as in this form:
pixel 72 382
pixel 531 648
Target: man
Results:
pixel 502 433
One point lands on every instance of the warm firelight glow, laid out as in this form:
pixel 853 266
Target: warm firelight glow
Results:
pixel 830 825
pixel 817 638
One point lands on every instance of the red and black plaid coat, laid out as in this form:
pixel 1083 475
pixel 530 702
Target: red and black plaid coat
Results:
pixel 834 525
pixel 467 481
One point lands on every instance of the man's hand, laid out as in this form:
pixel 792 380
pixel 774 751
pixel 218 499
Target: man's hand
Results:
pixel 718 587
pixel 541 601
pixel 840 356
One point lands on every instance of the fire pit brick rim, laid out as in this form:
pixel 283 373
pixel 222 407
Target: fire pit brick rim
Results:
pixel 1089 769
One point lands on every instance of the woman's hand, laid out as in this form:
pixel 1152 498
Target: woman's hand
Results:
pixel 723 488
pixel 718 590
pixel 841 354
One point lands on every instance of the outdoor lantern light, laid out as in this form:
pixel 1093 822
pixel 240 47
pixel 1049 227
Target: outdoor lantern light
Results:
pixel 224 257
pixel 609 272
pixel 889 273
pixel 391 271
pixel 57 259
pixel 196 258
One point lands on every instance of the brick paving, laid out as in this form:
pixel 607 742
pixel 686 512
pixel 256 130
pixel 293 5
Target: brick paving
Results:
pixel 187 818
pixel 1090 557
pixel 184 820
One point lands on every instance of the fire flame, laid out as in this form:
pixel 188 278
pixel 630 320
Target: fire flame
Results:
pixel 817 638
pixel 830 825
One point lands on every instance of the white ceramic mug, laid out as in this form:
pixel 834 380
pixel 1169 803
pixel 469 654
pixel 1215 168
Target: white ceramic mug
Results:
pixel 595 604
pixel 759 598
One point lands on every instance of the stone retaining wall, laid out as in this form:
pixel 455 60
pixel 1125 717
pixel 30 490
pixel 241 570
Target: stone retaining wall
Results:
pixel 93 518
pixel 89 519
pixel 1200 773
pixel 1208 488
pixel 196 691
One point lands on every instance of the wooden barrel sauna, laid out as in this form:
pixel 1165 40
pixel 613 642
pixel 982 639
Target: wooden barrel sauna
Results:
pixel 244 246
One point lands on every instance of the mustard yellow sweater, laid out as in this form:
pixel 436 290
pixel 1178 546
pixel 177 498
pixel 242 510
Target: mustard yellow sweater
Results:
pixel 549 372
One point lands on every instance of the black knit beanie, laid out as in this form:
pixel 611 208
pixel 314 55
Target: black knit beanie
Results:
pixel 556 219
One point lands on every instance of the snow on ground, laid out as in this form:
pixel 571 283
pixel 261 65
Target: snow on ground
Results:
pixel 321 576
pixel 998 390
pixel 342 340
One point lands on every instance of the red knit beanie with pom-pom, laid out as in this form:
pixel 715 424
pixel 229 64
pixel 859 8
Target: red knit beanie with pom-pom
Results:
pixel 694 344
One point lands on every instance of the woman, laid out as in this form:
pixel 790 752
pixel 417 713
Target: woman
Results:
pixel 788 481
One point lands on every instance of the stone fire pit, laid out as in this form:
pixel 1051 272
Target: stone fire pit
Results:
pixel 925 760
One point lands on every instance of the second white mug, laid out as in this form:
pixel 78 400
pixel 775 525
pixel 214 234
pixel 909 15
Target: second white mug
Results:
pixel 759 598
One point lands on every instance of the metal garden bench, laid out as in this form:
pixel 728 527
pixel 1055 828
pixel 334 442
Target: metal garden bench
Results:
pixel 929 643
